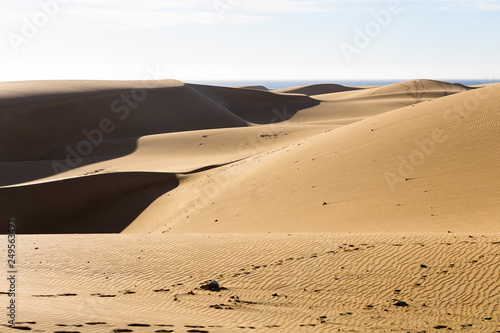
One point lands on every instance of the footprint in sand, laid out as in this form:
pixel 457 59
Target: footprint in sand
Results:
pixel 139 325
pixel 23 328
pixel 160 290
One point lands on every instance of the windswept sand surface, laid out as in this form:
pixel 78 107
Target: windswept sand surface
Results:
pixel 320 282
pixel 317 207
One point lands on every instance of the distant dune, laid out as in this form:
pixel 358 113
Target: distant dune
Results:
pixel 317 208
pixel 252 87
pixel 256 106
pixel 316 89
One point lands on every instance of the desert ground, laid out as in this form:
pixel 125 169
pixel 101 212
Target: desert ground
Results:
pixel 321 208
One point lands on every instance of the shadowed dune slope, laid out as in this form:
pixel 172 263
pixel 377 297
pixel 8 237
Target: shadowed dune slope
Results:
pixel 88 204
pixel 255 106
pixel 42 125
pixel 433 167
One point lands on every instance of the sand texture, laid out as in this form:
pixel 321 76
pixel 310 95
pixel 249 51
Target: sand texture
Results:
pixel 316 208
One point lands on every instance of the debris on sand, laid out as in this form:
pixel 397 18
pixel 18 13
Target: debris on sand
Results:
pixel 212 286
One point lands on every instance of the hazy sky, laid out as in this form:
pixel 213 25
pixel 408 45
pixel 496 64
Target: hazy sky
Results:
pixel 201 40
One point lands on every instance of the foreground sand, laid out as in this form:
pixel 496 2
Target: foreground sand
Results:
pixel 317 207
pixel 320 282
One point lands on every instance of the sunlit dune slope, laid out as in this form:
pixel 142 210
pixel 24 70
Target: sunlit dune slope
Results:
pixel 432 167
pixel 345 107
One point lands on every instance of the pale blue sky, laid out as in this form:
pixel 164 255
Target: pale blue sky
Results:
pixel 199 40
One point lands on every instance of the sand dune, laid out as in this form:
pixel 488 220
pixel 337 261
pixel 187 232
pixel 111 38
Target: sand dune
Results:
pixel 58 120
pixel 259 107
pixel 316 207
pixel 316 89
pixel 345 107
pixel 252 87
pixel 362 172
pixel 92 203
pixel 418 163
